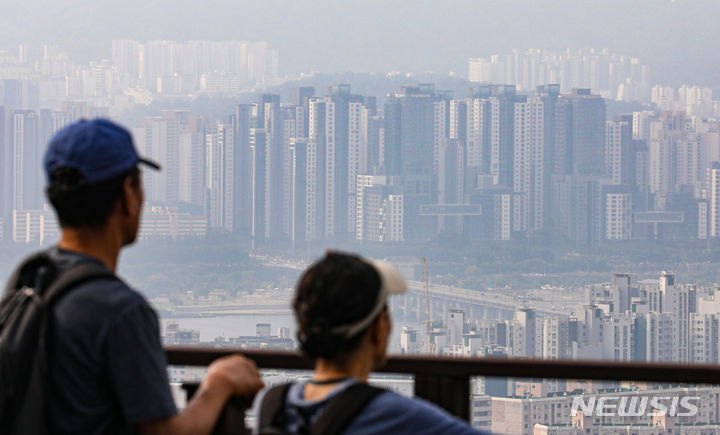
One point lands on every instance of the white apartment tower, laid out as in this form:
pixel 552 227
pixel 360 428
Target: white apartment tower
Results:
pixel 714 203
pixel 528 165
pixel 219 176
pixel 618 216
pixel 614 144
pixel 330 142
pixel 355 136
pixel 477 110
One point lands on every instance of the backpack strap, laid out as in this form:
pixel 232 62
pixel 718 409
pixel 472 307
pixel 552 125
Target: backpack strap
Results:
pixel 74 276
pixel 22 275
pixel 66 281
pixel 343 408
pixel 272 410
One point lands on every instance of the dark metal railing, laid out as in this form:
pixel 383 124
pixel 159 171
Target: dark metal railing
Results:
pixel 445 381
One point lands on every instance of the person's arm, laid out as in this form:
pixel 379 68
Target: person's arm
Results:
pixel 227 377
pixel 137 368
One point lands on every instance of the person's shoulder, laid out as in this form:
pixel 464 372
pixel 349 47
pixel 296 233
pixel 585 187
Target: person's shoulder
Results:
pixel 105 298
pixel 111 290
pixel 390 412
pixel 392 402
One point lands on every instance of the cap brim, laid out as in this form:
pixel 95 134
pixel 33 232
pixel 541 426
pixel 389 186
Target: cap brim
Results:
pixel 391 278
pixel 149 163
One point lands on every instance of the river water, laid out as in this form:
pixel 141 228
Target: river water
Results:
pixel 244 325
pixel 231 326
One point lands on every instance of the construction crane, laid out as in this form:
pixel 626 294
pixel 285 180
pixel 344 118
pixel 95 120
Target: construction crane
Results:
pixel 430 344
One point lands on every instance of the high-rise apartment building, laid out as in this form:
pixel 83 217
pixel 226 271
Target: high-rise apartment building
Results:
pixel 220 174
pixel 126 56
pixel 276 160
pixel 613 75
pixel 315 208
pixel 379 215
pixel 588 132
pixel 412 135
pixel 529 165
pixel 555 338
pixel 619 151
pixel 27 158
pixel 704 339
pixel 258 152
pixel 34 226
pixel 6 166
pixel 158 138
pixel 496 133
pixel 298 190
pixel 243 121
pixel 524 344
pixel 714 202
pixel 618 216
pixel 451 179
pixel 191 165
pixel 342 142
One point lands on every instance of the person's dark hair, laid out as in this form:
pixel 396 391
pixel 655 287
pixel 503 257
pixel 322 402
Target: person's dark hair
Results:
pixel 80 205
pixel 338 290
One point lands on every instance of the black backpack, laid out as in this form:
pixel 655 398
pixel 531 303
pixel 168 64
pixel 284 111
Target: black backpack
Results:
pixel 333 419
pixel 24 327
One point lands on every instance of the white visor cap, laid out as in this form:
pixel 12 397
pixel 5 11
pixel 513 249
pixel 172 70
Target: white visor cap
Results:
pixel 391 283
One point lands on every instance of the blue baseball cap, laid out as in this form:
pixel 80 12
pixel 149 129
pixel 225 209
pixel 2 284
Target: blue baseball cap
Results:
pixel 99 149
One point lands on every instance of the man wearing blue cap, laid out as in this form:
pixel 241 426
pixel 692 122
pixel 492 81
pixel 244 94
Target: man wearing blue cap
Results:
pixel 106 365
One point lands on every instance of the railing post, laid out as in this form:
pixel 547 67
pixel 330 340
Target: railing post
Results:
pixel 451 393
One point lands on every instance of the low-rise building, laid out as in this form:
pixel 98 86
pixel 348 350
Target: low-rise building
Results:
pixel 34 226
pixel 169 223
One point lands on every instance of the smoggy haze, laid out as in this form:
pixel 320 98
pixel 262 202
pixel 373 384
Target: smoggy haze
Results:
pixel 679 39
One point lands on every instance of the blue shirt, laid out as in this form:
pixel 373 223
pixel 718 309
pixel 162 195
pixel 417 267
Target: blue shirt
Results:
pixel 106 363
pixel 388 413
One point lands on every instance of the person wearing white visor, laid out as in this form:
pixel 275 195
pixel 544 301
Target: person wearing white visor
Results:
pixel 391 283
pixel 341 306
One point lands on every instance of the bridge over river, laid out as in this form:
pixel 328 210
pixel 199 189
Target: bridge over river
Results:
pixel 477 304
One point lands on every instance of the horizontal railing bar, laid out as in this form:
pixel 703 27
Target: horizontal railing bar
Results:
pixel 464 366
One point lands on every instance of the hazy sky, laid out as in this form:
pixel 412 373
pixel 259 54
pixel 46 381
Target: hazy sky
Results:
pixel 679 39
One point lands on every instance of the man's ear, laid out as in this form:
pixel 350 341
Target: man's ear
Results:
pixel 378 327
pixel 127 199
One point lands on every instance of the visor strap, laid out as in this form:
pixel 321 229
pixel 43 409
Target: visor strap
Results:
pixel 349 331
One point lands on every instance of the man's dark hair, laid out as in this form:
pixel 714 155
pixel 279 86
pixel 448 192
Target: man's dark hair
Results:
pixel 338 290
pixel 81 205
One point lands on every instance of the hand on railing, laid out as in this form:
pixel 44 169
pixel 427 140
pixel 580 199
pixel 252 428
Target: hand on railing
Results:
pixel 235 374
pixel 232 419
